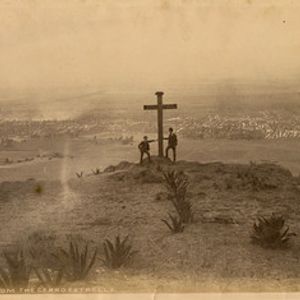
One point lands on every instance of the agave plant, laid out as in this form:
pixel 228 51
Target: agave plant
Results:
pixel 17 273
pixel 96 171
pixel 177 184
pixel 117 254
pixel 176 224
pixel 79 175
pixel 75 262
pixel 49 278
pixel 184 209
pixel 270 232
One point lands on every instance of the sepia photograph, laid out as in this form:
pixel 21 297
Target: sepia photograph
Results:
pixel 149 146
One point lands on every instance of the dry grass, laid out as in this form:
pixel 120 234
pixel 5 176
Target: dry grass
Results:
pixel 212 253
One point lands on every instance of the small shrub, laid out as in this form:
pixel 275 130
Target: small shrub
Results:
pixel 176 224
pixel 8 161
pixel 79 175
pixel 75 263
pixel 96 171
pixel 57 155
pixel 253 177
pixel 148 176
pixel 49 278
pixel 117 254
pixel 39 189
pixel 162 196
pixel 17 273
pixel 270 232
pixel 159 168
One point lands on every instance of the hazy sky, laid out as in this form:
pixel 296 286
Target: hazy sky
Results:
pixel 141 45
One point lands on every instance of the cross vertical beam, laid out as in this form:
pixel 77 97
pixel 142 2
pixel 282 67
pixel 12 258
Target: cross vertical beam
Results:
pixel 160 107
pixel 160 123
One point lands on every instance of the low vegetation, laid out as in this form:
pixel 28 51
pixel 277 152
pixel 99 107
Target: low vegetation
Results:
pixel 72 264
pixel 271 232
pixel 117 253
pixel 39 189
pixel 255 178
pixel 79 175
pixel 177 184
pixel 96 171
pixel 17 273
pixel 76 262
pixel 49 278
pixel 40 247
pixel 175 225
pixel 220 226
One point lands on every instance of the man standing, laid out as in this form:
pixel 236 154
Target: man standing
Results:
pixel 172 143
pixel 145 148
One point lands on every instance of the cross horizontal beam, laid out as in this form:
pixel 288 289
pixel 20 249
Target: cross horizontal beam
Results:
pixel 164 106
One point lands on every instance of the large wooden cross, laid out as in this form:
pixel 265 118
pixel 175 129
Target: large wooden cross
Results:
pixel 160 107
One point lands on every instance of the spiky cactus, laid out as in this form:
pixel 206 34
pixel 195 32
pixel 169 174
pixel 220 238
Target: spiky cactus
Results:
pixel 176 224
pixel 177 184
pixel 270 232
pixel 75 262
pixel 118 253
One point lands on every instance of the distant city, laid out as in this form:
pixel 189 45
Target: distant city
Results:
pixel 262 124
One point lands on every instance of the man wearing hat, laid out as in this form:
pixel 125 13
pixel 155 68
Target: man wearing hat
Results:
pixel 145 148
pixel 172 143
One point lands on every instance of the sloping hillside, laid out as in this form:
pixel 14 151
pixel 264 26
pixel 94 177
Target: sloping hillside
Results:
pixel 213 253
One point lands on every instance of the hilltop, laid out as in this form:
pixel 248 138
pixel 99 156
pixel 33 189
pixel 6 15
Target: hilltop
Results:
pixel 213 253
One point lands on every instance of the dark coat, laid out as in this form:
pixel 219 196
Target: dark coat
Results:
pixel 172 140
pixel 144 145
